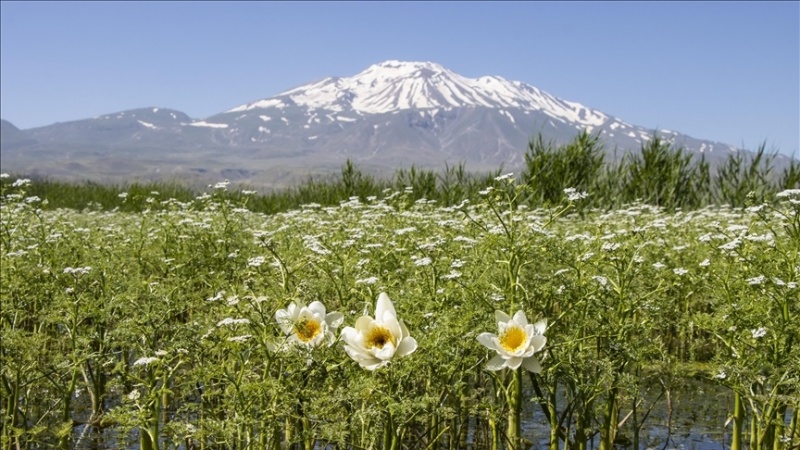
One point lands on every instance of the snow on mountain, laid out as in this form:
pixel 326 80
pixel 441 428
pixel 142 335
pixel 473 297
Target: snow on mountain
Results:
pixel 391 114
pixel 397 86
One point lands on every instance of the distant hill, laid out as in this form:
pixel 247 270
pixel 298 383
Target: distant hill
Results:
pixel 389 115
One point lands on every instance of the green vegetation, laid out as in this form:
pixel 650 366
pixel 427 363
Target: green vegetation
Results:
pixel 149 316
pixel 659 175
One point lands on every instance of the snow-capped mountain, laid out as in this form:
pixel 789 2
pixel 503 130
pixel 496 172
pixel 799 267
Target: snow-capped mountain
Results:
pixel 390 114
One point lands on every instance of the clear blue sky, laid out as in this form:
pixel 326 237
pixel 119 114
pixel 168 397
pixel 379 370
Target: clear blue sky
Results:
pixel 725 71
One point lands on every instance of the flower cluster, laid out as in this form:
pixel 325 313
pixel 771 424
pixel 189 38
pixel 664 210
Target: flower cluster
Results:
pixel 372 343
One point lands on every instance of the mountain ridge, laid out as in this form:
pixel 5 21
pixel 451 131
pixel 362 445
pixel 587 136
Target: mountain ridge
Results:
pixel 391 114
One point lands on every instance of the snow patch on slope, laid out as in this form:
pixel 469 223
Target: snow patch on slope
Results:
pixel 393 86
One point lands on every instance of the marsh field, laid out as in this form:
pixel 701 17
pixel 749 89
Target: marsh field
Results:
pixel 151 318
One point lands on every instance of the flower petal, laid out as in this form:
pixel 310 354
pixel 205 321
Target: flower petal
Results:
pixel 520 318
pixel 390 322
pixel 404 330
pixel 334 319
pixel 501 317
pixel 363 322
pixel 513 363
pixel 540 326
pixel 496 363
pixel 538 341
pixel 284 319
pixel 383 305
pixel 386 352
pixel 532 364
pixel 489 340
pixel 406 347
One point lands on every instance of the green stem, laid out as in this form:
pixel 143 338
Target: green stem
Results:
pixel 514 398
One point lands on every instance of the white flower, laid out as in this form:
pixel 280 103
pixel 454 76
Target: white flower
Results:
pixel 757 280
pixel 515 343
pixel 231 321
pixel 309 325
pixel 573 194
pixel 134 395
pixel 759 332
pixel 374 342
pixel 788 193
pixel 680 271
pixel 256 262
pixel 146 361
pixel 507 176
pixel 423 262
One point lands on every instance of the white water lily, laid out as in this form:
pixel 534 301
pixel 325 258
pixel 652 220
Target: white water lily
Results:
pixel 515 343
pixel 375 342
pixel 309 325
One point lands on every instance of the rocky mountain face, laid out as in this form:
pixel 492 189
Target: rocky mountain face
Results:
pixel 389 115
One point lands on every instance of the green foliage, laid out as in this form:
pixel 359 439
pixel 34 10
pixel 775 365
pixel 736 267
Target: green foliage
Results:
pixel 145 315
pixel 550 169
pixel 156 327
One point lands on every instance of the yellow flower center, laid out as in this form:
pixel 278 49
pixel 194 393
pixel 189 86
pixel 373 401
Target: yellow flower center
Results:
pixel 378 336
pixel 513 339
pixel 307 329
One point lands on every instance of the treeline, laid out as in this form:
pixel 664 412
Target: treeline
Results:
pixel 659 174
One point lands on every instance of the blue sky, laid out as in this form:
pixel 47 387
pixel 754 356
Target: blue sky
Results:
pixel 725 71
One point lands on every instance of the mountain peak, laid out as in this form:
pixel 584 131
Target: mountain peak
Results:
pixel 392 86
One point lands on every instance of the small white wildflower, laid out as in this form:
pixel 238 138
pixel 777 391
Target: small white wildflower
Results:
pixel 457 263
pixel 731 245
pixel 256 262
pixel 486 191
pixel 21 182
pixel 507 176
pixel 220 295
pixel 231 321
pixel 496 297
pixel 560 272
pixel 452 275
pixel 222 185
pixel 249 192
pixel 755 281
pixel 759 332
pixel 721 375
pixel 610 246
pixel 123 195
pixel 240 339
pixel 134 395
pixel 4 175
pixel 161 353
pixel 369 280
pixel 422 262
pixel 573 194
pixel 659 265
pixel 403 231
pixel 788 193
pixel 705 263
pixel 680 271
pixel 146 361
pixel 603 281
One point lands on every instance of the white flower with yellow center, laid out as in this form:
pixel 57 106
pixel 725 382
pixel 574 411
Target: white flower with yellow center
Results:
pixel 515 343
pixel 309 325
pixel 374 342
